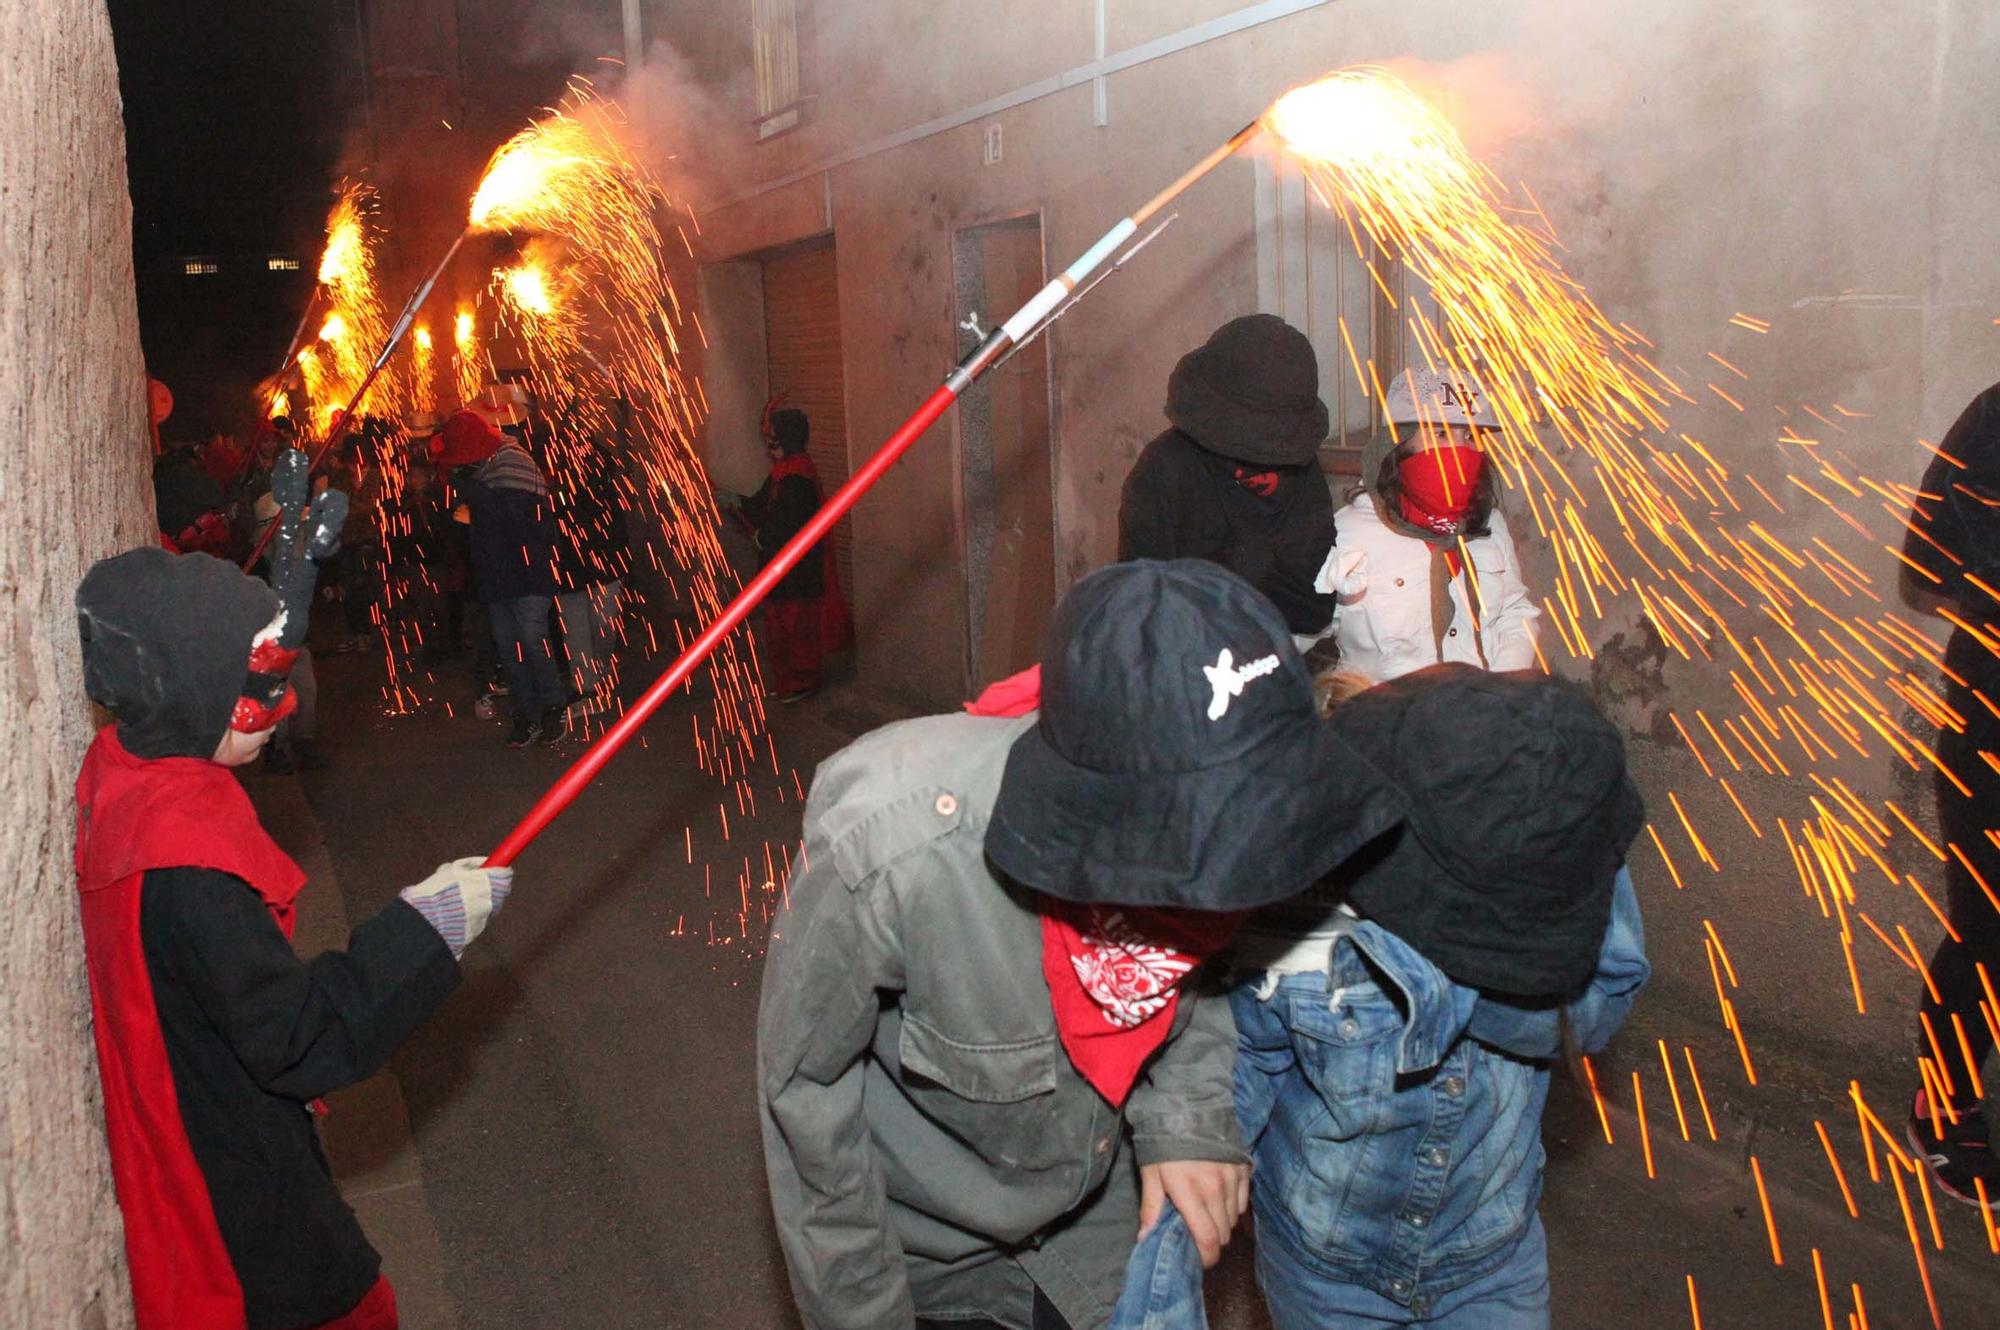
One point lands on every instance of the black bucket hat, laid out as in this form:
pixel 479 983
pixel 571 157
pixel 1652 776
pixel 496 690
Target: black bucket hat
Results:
pixel 1251 393
pixel 1521 812
pixel 166 646
pixel 1178 760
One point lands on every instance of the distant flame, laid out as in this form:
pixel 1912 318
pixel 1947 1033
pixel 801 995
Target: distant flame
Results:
pixel 346 239
pixel 333 329
pixel 528 287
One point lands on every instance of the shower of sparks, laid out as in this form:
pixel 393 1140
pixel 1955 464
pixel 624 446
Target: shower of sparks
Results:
pixel 1642 521
pixel 586 305
pixel 423 370
pixel 354 327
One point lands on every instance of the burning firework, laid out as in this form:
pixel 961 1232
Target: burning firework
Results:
pixel 593 307
pixel 468 363
pixel 353 327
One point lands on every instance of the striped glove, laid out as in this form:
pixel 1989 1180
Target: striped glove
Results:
pixel 459 899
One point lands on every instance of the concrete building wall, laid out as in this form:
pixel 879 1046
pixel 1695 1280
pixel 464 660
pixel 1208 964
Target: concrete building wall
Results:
pixel 73 487
pixel 1812 162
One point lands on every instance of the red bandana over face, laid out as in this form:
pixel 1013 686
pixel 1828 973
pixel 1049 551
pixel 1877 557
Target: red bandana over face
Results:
pixel 1439 485
pixel 1114 974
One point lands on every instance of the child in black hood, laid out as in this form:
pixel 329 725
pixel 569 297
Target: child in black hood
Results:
pixel 1236 481
pixel 213 1039
pixel 1398 1025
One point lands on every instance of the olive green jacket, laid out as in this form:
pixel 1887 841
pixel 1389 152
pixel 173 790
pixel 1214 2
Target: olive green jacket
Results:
pixel 930 1148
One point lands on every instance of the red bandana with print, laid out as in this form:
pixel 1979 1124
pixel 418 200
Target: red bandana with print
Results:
pixel 1114 974
pixel 1114 971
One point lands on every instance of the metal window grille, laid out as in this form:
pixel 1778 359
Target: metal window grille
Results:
pixel 775 54
pixel 1355 306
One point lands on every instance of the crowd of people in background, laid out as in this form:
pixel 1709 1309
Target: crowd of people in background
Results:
pixel 456 515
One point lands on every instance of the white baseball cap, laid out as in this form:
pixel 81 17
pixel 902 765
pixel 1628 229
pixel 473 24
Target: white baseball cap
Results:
pixel 1430 397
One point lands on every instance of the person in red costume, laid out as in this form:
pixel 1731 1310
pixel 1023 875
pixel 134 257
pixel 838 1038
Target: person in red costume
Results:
pixel 214 1040
pixel 805 619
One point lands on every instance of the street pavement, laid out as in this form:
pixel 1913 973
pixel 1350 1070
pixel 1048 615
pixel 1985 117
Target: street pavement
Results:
pixel 572 1141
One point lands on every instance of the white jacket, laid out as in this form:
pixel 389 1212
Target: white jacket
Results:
pixel 1383 622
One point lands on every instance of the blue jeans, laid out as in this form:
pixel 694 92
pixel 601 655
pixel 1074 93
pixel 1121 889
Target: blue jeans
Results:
pixel 521 632
pixel 1163 1288
pixel 1513 1296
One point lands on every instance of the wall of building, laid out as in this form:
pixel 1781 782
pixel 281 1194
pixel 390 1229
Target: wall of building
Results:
pixel 1799 161
pixel 73 487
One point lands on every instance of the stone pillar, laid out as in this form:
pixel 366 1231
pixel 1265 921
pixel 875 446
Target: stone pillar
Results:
pixel 73 487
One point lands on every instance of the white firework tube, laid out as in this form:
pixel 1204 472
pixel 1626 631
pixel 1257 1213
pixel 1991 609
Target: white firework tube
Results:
pixel 1029 315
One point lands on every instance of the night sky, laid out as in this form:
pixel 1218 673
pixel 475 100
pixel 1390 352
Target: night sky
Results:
pixel 235 116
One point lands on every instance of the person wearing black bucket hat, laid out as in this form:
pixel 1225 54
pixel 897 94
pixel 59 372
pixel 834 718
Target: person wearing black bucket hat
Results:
pixel 213 1039
pixel 1236 479
pixel 983 1056
pixel 1399 1022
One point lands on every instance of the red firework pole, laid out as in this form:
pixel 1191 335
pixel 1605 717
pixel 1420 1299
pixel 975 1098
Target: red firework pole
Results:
pixel 981 358
pixel 345 418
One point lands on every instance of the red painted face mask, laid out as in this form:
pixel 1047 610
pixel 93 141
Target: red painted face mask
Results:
pixel 1439 485
pixel 267 696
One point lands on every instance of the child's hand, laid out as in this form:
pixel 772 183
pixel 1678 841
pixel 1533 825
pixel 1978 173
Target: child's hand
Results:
pixel 460 899
pixel 1211 1197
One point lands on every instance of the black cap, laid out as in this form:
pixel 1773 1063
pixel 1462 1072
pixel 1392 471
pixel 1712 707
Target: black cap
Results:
pixel 1520 813
pixel 1251 393
pixel 1178 759
pixel 166 646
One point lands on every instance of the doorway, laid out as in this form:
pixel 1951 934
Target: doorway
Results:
pixel 1006 461
pixel 802 358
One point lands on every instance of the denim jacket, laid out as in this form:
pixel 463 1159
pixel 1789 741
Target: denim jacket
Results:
pixel 1394 1117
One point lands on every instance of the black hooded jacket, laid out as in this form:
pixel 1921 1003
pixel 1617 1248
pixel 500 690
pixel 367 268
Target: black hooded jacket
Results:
pixel 1956 535
pixel 1182 501
pixel 251 1034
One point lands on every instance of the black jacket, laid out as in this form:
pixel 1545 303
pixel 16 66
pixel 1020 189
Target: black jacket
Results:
pixel 1181 501
pixel 514 538
pixel 253 1036
pixel 778 512
pixel 1955 535
pixel 593 547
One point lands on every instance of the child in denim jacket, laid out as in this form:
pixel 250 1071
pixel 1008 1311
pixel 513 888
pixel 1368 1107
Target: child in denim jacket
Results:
pixel 1398 1026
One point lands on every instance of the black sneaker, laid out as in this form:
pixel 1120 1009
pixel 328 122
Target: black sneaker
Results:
pixel 553 725
pixel 1962 1157
pixel 796 695
pixel 525 732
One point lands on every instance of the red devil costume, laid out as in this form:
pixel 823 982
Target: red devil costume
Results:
pixel 213 1038
pixel 805 618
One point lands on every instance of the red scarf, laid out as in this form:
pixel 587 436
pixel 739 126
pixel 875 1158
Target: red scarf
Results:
pixel 1261 483
pixel 1438 486
pixel 1113 971
pixel 794 464
pixel 134 815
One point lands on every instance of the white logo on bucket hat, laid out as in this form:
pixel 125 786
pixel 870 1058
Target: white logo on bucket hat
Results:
pixel 1228 679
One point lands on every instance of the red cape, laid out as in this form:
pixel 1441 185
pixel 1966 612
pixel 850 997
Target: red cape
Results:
pixel 134 815
pixel 836 625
